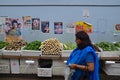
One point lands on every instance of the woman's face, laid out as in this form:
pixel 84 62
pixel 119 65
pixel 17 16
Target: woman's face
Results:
pixel 15 25
pixel 78 41
pixel 35 23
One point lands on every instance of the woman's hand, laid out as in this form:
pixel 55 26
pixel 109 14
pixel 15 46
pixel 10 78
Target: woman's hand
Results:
pixel 73 66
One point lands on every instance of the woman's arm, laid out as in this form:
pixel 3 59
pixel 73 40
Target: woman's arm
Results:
pixel 89 63
pixel 88 67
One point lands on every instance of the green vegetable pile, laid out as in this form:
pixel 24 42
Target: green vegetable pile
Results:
pixel 69 46
pixel 3 44
pixel 107 46
pixel 117 44
pixel 34 45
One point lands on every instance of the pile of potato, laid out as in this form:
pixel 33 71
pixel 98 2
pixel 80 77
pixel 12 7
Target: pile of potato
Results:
pixel 51 46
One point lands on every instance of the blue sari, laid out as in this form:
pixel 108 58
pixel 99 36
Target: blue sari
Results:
pixel 77 57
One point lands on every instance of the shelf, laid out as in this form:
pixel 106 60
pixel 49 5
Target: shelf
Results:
pixel 104 55
pixel 32 57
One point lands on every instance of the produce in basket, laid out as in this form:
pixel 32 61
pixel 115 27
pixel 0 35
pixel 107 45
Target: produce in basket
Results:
pixel 16 45
pixel 51 46
pixel 3 44
pixel 69 46
pixel 34 45
pixel 117 44
pixel 96 48
pixel 107 46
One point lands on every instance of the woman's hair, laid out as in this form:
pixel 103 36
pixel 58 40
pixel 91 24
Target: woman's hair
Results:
pixel 85 40
pixel 14 21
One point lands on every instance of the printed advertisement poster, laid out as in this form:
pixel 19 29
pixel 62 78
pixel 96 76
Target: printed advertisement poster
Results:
pixel 35 24
pixel 45 26
pixel 1 29
pixel 70 28
pixel 2 24
pixel 83 26
pixel 13 29
pixel 117 27
pixel 26 21
pixel 58 28
pixel 2 21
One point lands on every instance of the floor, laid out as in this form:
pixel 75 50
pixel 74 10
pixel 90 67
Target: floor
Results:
pixel 28 77
pixel 103 76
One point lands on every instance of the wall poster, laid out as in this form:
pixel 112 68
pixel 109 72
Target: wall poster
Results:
pixel 26 21
pixel 83 26
pixel 117 27
pixel 58 28
pixel 2 21
pixel 35 24
pixel 45 26
pixel 13 29
pixel 70 28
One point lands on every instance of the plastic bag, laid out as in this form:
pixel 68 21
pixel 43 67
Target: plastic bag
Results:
pixel 66 73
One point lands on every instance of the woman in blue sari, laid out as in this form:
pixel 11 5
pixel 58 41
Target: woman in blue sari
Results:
pixel 83 59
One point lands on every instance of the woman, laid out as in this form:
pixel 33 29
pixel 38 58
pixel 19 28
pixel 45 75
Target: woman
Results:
pixel 83 60
pixel 13 31
pixel 35 24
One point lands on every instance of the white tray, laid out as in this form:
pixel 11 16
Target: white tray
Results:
pixel 109 54
pixel 112 68
pixel 30 53
pixel 12 52
pixel 0 51
pixel 66 53
pixel 44 72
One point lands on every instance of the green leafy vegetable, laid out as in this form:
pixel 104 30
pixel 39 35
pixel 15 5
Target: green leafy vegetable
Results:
pixel 34 45
pixel 3 44
pixel 107 46
pixel 117 44
pixel 69 46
